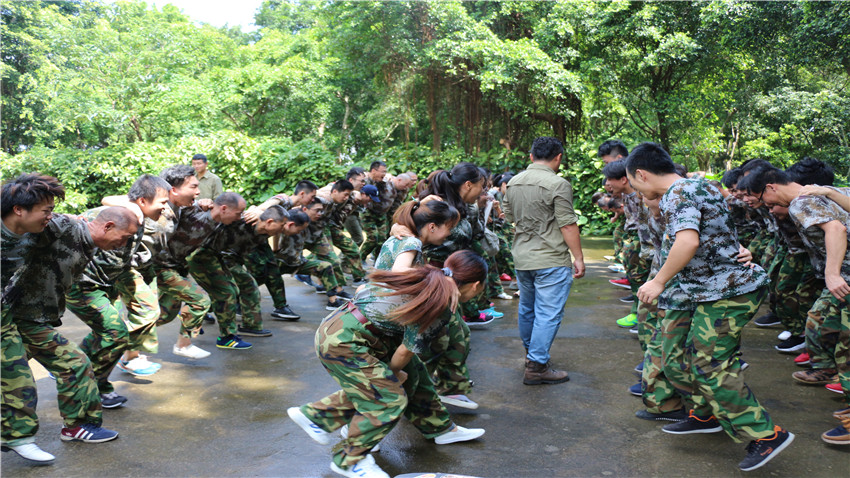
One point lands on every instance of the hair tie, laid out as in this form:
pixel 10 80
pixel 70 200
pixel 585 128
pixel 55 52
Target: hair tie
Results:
pixel 447 272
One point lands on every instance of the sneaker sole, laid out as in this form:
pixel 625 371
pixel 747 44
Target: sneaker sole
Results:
pixel 716 429
pixel 778 449
pixel 459 403
pixel 233 348
pixel 110 407
pixel 249 334
pixel 478 325
pixel 297 416
pixel 545 382
pixel 771 324
pixel 805 382
pixel 67 438
pixel 793 349
pixel 459 439
pixel 624 286
pixel 136 373
pixel 286 317
pixel 803 364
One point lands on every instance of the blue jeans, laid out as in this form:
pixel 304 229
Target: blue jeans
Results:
pixel 542 296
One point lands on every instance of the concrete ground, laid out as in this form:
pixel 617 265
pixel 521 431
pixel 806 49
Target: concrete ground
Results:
pixel 226 415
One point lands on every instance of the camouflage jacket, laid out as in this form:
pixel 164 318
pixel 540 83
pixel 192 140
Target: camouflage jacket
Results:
pixel 714 272
pixel 808 213
pixel 741 215
pixel 338 213
pixel 461 237
pixel 106 266
pixel 376 307
pixel 191 229
pixel 398 200
pixel 291 250
pixel 790 236
pixel 235 241
pixel 54 259
pixel 632 204
pixel 386 192
pixel 393 248
pixel 646 234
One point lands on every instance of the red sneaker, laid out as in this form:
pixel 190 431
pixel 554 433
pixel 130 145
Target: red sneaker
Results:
pixel 505 278
pixel 802 359
pixel 621 283
pixel 834 387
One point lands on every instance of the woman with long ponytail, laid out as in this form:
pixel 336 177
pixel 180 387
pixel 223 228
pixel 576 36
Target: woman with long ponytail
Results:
pixel 369 347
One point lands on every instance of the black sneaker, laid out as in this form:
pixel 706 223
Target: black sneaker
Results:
pixel 359 281
pixel 344 295
pixel 767 320
pixel 284 313
pixel 693 424
pixel 112 400
pixel 254 332
pixel 762 451
pixel 320 289
pixel 672 416
pixel 209 318
pixel 335 304
pixel 791 344
pixel 627 299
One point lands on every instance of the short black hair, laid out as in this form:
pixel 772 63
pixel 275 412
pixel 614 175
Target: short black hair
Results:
pixel 755 182
pixel 355 171
pixel 276 213
pixel 199 156
pixel 755 163
pixel 615 170
pixel 546 148
pixel 651 157
pixel 305 186
pixel 377 165
pixel 176 175
pixel 229 199
pixel 28 190
pixel 811 171
pixel 146 186
pixel 298 216
pixel 612 146
pixel 731 177
pixel 342 185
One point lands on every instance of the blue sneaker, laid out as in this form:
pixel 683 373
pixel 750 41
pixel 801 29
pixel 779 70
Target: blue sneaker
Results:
pixel 305 279
pixel 89 433
pixel 636 389
pixel 492 313
pixel 232 342
pixel 639 368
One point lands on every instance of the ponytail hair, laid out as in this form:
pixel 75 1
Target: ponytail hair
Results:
pixel 447 184
pixel 432 290
pixel 415 215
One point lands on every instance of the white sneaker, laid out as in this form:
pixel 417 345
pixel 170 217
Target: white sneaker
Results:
pixel 504 296
pixel 190 351
pixel 365 468
pixel 461 401
pixel 785 335
pixel 461 434
pixel 316 433
pixel 31 452
pixel 343 432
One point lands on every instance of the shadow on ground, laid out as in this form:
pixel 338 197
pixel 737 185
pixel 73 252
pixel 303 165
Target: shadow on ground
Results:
pixel 226 415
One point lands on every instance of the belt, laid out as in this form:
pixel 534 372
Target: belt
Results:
pixel 353 310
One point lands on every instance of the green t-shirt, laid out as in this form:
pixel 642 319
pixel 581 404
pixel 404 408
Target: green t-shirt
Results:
pixel 393 248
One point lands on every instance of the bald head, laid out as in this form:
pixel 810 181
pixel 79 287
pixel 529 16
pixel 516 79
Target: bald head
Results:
pixel 112 227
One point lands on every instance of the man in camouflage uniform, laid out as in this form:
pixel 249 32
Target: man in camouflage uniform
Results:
pixel 289 249
pixel 699 267
pixel 357 177
pixel 191 239
pixel 336 219
pixel 97 297
pixel 375 223
pixel 233 243
pixel 635 264
pixel 402 184
pixel 27 204
pixel 318 236
pixel 54 259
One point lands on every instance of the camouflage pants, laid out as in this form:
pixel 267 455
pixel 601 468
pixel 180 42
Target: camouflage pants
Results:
pixel 104 314
pixel 207 268
pixel 637 268
pixel 355 229
pixel 19 394
pixel 797 289
pixel 321 269
pixel 174 290
pixel 263 266
pixel 774 256
pixel 708 373
pixel 446 359
pixel 758 245
pixel 377 230
pixel 350 253
pixel 828 337
pixel 505 259
pixel 659 395
pixel 494 283
pixel 372 399
pixel 76 388
pixel 323 250
pixel 248 295
pixel 619 233
pixel 141 299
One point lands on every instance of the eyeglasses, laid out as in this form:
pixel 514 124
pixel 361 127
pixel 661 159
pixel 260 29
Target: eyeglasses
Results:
pixel 762 194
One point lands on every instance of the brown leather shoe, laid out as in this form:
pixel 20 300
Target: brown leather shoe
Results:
pixel 540 373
